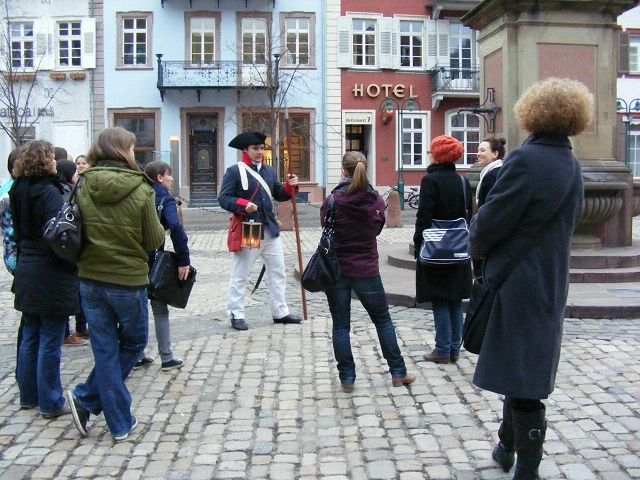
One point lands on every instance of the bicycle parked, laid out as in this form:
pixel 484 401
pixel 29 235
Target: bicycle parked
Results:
pixel 412 196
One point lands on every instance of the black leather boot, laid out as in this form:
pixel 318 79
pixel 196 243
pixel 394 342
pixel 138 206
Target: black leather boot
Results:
pixel 504 451
pixel 530 429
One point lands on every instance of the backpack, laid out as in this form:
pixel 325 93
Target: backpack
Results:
pixel 63 232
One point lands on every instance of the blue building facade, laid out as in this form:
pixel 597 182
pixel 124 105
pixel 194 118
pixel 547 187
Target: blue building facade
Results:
pixel 186 76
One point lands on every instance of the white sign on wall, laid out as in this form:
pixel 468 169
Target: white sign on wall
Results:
pixel 358 118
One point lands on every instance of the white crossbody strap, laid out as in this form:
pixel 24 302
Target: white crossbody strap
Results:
pixel 245 181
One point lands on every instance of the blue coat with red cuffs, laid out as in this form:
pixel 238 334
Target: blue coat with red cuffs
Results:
pixel 234 198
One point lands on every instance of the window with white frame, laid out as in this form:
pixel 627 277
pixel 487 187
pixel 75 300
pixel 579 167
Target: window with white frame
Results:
pixel 254 40
pixel 135 40
pixel 364 42
pixel 411 43
pixel 70 43
pixel 415 140
pixel 203 34
pixel 634 54
pixel 22 44
pixel 298 38
pixel 460 51
pixel 634 151
pixel 466 128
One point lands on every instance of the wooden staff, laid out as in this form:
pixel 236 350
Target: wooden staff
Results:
pixel 294 212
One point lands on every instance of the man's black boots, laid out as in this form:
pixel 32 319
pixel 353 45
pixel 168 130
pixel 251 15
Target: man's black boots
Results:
pixel 504 451
pixel 530 429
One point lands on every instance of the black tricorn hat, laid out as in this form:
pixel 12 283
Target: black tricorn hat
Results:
pixel 245 139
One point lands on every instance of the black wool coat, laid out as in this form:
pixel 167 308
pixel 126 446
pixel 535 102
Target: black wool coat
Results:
pixel 533 207
pixel 442 198
pixel 44 284
pixel 488 181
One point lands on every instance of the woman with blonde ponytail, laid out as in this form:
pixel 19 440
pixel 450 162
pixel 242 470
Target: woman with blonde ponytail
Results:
pixel 358 220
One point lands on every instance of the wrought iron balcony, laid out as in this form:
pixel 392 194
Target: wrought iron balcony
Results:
pixel 454 82
pixel 181 75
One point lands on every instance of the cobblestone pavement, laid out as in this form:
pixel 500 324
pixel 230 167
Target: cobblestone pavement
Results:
pixel 267 404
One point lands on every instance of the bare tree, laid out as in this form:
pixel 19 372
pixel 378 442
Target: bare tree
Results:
pixel 265 105
pixel 20 65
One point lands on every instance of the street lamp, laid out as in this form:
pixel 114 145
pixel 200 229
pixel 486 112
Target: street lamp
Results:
pixel 627 109
pixel 388 105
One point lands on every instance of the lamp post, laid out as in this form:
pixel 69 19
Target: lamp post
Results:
pixel 627 109
pixel 389 104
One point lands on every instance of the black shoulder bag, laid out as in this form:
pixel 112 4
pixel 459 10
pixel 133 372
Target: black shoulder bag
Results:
pixel 483 294
pixel 63 232
pixel 323 270
pixel 164 284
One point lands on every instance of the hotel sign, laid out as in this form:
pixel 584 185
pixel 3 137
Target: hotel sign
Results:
pixel 374 90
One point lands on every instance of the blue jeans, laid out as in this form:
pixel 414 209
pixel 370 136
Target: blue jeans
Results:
pixel 448 320
pixel 38 370
pixel 371 293
pixel 118 319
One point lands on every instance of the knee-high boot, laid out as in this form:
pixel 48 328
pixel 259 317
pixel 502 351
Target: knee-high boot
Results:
pixel 504 451
pixel 530 429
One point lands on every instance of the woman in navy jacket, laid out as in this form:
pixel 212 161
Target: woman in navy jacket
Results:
pixel 160 173
pixel 358 220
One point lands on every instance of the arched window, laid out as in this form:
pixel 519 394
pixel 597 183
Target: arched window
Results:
pixel 466 128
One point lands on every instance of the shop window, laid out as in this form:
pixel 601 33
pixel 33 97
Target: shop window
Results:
pixel 634 151
pixel 298 161
pixel 144 126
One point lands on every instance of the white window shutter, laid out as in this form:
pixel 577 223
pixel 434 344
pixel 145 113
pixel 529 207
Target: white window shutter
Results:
pixel 395 44
pixel 5 61
pixel 344 42
pixel 432 45
pixel 443 43
pixel 44 55
pixel 386 51
pixel 89 43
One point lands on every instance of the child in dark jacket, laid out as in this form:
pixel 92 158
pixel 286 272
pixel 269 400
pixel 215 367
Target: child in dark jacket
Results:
pixel 160 173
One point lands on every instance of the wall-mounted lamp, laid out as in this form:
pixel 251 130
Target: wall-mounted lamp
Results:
pixel 488 114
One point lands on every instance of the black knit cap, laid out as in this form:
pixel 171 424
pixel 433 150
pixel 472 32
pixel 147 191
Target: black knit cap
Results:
pixel 245 139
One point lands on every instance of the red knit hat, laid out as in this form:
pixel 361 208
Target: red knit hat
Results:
pixel 446 149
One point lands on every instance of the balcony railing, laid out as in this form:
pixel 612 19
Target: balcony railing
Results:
pixel 456 79
pixel 199 76
pixel 453 82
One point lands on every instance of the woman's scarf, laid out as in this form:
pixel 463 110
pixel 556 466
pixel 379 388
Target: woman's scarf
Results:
pixel 487 168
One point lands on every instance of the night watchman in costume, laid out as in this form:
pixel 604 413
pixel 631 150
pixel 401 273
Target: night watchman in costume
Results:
pixel 249 188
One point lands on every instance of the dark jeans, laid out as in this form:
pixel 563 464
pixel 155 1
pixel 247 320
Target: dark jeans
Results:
pixel 371 293
pixel 118 319
pixel 38 370
pixel 449 319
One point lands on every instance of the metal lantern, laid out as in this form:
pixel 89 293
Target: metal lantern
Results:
pixel 251 234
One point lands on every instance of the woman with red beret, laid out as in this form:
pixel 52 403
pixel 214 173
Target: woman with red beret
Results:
pixel 442 197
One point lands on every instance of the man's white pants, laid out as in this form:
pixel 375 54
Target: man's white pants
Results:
pixel 273 258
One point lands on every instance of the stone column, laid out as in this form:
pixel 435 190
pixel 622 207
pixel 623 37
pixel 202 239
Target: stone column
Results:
pixel 528 40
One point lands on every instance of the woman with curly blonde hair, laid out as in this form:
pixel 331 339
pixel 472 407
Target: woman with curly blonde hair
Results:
pixel 523 232
pixel 44 284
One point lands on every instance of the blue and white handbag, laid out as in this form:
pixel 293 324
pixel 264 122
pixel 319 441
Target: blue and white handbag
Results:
pixel 445 242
